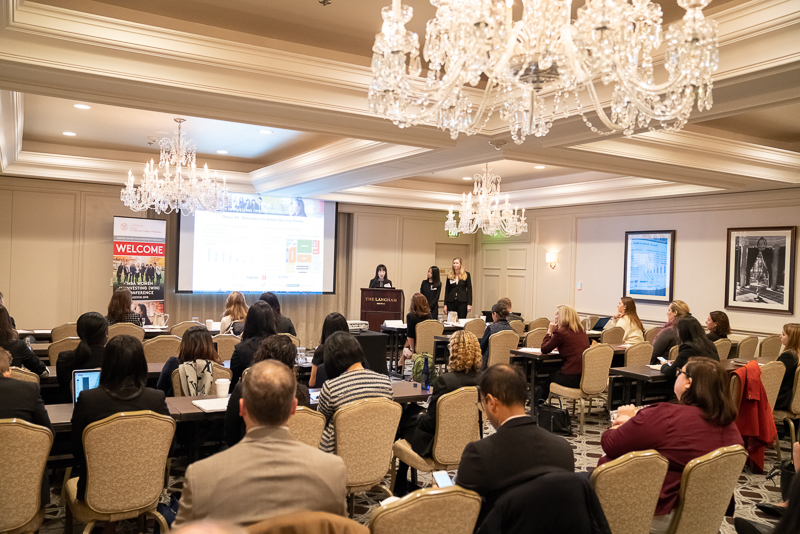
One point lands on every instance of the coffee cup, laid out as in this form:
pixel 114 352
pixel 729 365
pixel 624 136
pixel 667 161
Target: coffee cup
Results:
pixel 223 385
pixel 209 324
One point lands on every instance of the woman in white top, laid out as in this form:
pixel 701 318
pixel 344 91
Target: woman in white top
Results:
pixel 627 318
pixel 235 310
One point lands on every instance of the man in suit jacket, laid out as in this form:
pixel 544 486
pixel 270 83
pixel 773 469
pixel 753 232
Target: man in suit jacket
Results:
pixel 519 450
pixel 269 472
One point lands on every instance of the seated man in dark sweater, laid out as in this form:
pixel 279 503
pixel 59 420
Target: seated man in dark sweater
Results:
pixel 518 451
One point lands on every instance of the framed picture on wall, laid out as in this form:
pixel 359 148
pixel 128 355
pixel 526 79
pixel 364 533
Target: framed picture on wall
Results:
pixel 649 266
pixel 759 274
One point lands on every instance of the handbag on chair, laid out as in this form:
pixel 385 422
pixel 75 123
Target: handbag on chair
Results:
pixel 555 420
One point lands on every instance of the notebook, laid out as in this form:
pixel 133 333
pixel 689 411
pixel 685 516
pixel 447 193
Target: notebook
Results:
pixel 83 379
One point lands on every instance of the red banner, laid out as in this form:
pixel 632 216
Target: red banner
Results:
pixel 138 249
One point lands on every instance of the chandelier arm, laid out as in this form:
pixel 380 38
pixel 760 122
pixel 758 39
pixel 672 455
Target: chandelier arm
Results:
pixel 601 113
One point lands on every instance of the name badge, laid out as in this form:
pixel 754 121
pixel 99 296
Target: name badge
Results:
pixel 453 281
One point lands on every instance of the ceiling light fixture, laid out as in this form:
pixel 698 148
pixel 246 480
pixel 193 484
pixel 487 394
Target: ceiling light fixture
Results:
pixel 540 167
pixel 82 106
pixel 537 66
pixel 265 132
pixel 467 178
pixel 488 219
pixel 222 151
pixel 69 134
pixel 174 192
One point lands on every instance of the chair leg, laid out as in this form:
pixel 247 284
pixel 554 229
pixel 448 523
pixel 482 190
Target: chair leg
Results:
pixel 161 522
pixel 351 505
pixel 89 526
pixel 414 478
pixel 792 434
pixel 63 498
pixel 573 406
pixel 582 417
pixel 589 411
pixel 393 471
pixel 141 523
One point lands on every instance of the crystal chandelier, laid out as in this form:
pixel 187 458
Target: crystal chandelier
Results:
pixel 535 69
pixel 488 219
pixel 176 192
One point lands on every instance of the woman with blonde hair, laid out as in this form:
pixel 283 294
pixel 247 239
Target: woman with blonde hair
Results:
pixel 235 310
pixel 668 336
pixel 790 337
pixel 418 426
pixel 458 290
pixel 566 334
pixel 627 318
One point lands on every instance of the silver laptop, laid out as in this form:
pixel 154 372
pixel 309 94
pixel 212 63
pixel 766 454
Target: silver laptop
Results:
pixel 83 379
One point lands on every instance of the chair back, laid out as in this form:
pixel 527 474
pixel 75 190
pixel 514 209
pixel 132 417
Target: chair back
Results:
pixel 453 510
pixel 747 348
pixel 161 348
pixel 500 346
pixel 673 353
pixel 596 364
pixel 736 390
pixel 794 406
pixel 639 354
pixel 25 450
pixel 638 473
pixel 534 338
pixel 651 333
pixel 706 488
pixel 518 326
pixel 127 329
pixel 225 345
pixel 294 339
pixel 425 332
pixel 365 431
pixel 613 336
pixel 217 372
pixel 63 344
pixel 305 522
pixel 307 425
pixel 180 328
pixel 770 347
pixel 17 373
pixel 457 424
pixel 723 348
pixel 126 456
pixel 772 376
pixel 64 331
pixel 541 322
pixel 476 326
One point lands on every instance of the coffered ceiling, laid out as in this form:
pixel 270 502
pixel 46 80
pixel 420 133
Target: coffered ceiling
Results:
pixel 301 71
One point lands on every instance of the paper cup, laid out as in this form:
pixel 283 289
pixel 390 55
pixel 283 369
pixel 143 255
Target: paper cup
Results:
pixel 209 324
pixel 223 385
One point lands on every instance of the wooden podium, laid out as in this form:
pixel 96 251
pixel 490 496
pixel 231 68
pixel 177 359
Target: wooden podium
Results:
pixel 379 305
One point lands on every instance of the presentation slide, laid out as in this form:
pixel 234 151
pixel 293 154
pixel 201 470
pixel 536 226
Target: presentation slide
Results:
pixel 260 244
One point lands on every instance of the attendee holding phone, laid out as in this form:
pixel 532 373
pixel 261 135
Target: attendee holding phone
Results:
pixel 381 279
pixel 627 318
pixel 431 288
pixel 718 326
pixel 458 290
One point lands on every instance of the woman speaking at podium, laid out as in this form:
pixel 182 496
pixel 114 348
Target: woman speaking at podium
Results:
pixel 458 290
pixel 381 280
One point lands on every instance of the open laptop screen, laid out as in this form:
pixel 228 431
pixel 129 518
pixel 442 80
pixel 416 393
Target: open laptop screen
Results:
pixel 84 379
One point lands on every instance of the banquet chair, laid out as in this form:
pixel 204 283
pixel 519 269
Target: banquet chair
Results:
pixel 182 327
pixel 639 473
pixel 771 377
pixel 770 347
pixel 226 343
pixel 17 373
pixel 365 431
pixel 673 353
pixel 613 336
pixel 541 322
pixel 56 348
pixel 295 339
pixel 161 348
pixel 518 326
pixel 747 348
pixel 707 485
pixel 127 329
pixel 307 425
pixel 723 348
pixel 305 522
pixel 426 330
pixel 500 346
pixel 457 424
pixel 793 412
pixel 476 326
pixel 126 457
pixel 651 333
pixel 638 354
pixel 534 338
pixel 594 378
pixel 453 510
pixel 25 451
pixel 217 372
pixel 64 331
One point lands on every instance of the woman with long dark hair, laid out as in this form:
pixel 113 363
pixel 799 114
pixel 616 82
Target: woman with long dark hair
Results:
pixel 334 322
pixel 141 309
pixel 627 319
pixel 119 308
pixel 196 344
pixel 719 327
pixel 283 325
pixel 93 331
pixel 381 279
pixel 790 338
pixel 21 353
pixel 431 288
pixel 418 311
pixel 259 324
pixel 693 342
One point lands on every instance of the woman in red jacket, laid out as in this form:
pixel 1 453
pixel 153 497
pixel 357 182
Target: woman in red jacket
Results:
pixel 566 334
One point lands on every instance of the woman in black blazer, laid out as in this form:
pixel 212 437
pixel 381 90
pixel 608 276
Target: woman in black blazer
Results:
pixel 21 353
pixel 431 289
pixel 458 290
pixel 258 325
pixel 381 279
pixel 123 380
pixel 93 331
pixel 418 426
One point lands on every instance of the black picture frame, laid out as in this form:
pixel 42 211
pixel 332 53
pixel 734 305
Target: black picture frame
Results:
pixel 643 283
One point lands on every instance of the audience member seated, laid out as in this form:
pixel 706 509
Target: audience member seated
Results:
pixel 259 324
pixel 418 426
pixel 123 388
pixel 790 522
pixel 418 311
pixel 790 339
pixel 511 315
pixel 197 345
pixel 235 310
pixel 334 322
pixel 566 334
pixel 519 450
pixel 119 308
pixel 718 326
pixel 693 342
pixel 701 421
pixel 269 472
pixel 667 337
pixel 141 309
pixel 10 319
pixel 498 324
pixel 278 348
pixel 21 353
pixel 283 325
pixel 627 319
pixel 93 332
pixel 348 381
pixel 22 400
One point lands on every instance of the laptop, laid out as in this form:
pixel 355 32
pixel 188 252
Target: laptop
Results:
pixel 601 323
pixel 83 379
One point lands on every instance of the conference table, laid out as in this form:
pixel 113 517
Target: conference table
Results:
pixel 153 372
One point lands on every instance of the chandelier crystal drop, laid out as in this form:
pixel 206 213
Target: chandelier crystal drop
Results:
pixel 536 69
pixel 174 191
pixel 487 215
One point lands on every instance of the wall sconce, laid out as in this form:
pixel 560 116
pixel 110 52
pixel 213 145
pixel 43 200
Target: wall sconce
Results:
pixel 551 258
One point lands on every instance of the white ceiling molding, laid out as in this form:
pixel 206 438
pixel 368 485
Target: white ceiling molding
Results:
pixel 11 123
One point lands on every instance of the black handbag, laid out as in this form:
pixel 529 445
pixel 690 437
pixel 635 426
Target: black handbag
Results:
pixel 556 420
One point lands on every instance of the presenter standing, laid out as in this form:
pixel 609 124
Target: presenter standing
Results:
pixel 381 279
pixel 458 290
pixel 431 289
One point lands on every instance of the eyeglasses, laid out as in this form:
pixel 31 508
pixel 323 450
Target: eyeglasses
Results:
pixel 682 372
pixel 479 405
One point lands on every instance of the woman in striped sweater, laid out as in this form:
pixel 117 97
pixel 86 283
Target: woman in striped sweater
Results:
pixel 348 381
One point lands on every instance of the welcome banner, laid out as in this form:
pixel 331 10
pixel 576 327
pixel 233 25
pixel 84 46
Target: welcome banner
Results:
pixel 138 262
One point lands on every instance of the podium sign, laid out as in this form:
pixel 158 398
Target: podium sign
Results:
pixel 379 305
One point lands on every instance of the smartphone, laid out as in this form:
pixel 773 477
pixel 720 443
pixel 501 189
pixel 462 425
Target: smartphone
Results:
pixel 662 359
pixel 442 479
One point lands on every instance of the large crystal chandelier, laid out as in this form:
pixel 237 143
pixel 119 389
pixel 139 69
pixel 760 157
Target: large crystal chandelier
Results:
pixel 534 70
pixel 484 216
pixel 176 192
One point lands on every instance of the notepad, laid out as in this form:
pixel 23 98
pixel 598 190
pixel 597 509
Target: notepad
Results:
pixel 394 324
pixel 212 405
pixel 655 367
